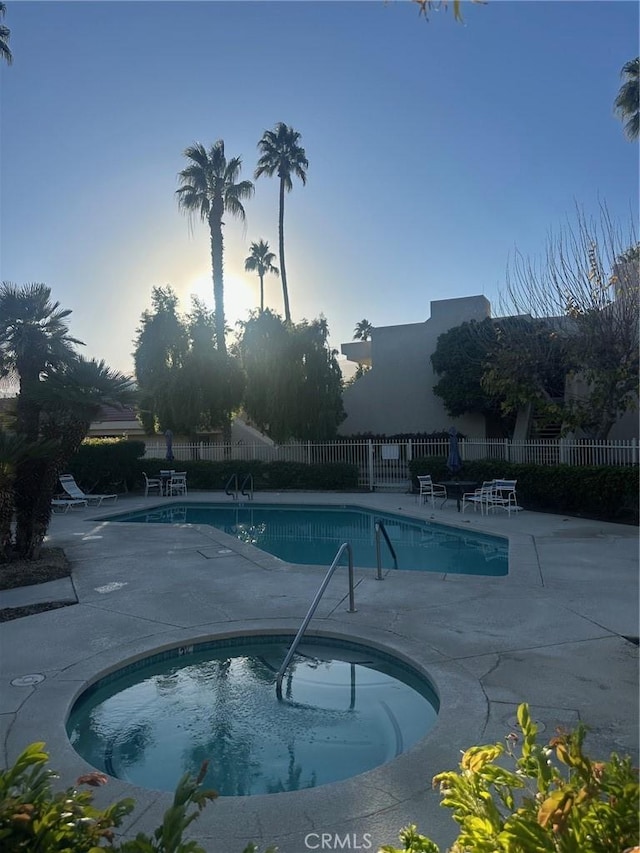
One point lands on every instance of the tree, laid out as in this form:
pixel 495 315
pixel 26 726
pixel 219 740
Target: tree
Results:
pixel 283 156
pixel 294 382
pixel 186 384
pixel 34 335
pixel 461 358
pixel 261 260
pixel 210 188
pixel 627 104
pixel 5 33
pixel 590 301
pixel 362 331
pixel 68 398
pixel 160 347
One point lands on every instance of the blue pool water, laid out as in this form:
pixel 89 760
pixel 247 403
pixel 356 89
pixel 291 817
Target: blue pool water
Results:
pixel 345 709
pixel 313 534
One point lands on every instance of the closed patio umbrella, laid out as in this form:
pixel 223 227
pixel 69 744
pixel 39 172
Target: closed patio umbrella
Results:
pixel 454 462
pixel 168 436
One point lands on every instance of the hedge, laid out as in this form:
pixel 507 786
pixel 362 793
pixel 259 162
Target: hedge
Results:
pixel 107 464
pixel 605 492
pixel 266 475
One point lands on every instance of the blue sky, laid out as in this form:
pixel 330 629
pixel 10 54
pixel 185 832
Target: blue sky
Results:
pixel 435 149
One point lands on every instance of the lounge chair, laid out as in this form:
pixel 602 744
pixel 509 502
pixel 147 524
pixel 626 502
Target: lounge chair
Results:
pixel 152 483
pixel 61 505
pixel 74 491
pixel 430 490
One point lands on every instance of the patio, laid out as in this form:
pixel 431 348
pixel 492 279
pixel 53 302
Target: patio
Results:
pixel 552 633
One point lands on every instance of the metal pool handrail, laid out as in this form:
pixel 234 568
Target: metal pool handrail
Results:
pixel 248 479
pixel 232 479
pixel 305 622
pixel 381 529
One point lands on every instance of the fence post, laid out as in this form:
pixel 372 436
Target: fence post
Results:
pixel 507 454
pixel 370 454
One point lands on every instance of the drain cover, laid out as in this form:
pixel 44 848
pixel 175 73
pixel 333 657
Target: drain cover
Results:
pixel 28 680
pixel 513 722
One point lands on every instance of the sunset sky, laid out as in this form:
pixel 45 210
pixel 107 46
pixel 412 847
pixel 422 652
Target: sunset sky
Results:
pixel 435 149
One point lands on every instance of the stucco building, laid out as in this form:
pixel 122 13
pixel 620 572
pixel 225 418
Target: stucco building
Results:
pixel 396 395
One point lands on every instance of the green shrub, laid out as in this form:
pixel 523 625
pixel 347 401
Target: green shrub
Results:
pixel 33 817
pixel 266 475
pixel 555 799
pixel 606 492
pixel 107 464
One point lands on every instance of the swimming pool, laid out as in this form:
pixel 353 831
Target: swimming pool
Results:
pixel 346 708
pixel 312 535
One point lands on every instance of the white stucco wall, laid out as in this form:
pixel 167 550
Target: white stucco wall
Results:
pixel 396 395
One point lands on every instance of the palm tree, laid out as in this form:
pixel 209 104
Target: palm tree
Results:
pixel 282 155
pixel 627 104
pixel 362 331
pixel 210 188
pixel 261 260
pixel 68 399
pixel 5 32
pixel 34 335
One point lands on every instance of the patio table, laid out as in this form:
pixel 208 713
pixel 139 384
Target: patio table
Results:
pixel 458 488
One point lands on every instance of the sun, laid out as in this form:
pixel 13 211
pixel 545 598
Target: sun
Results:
pixel 240 295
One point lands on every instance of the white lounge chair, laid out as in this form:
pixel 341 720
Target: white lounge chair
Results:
pixel 430 490
pixel 151 484
pixel 61 505
pixel 74 491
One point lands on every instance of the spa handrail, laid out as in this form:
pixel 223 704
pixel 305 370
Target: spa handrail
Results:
pixel 232 479
pixel 248 479
pixel 305 622
pixel 381 529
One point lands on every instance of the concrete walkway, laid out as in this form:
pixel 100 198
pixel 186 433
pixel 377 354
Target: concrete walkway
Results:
pixel 554 632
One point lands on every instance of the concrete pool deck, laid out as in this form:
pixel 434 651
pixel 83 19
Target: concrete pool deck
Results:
pixel 554 632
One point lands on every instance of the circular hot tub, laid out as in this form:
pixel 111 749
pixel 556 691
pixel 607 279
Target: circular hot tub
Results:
pixel 345 708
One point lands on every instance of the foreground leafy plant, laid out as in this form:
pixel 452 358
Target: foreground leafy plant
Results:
pixel 568 805
pixel 35 819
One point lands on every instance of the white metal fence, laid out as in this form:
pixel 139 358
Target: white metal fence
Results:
pixel 384 464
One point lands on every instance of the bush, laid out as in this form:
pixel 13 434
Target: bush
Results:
pixel 266 475
pixel 32 817
pixel 107 464
pixel 554 799
pixel 605 492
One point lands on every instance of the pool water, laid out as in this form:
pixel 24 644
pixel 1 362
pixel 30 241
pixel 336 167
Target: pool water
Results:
pixel 345 709
pixel 313 534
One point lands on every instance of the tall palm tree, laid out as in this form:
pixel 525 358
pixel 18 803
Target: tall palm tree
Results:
pixel 261 260
pixel 362 331
pixel 627 104
pixel 210 188
pixel 5 32
pixel 282 155
pixel 34 335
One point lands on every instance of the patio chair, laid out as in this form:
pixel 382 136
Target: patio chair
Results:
pixel 74 491
pixel 430 490
pixel 62 505
pixel 479 497
pixel 152 483
pixel 503 496
pixel 178 483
